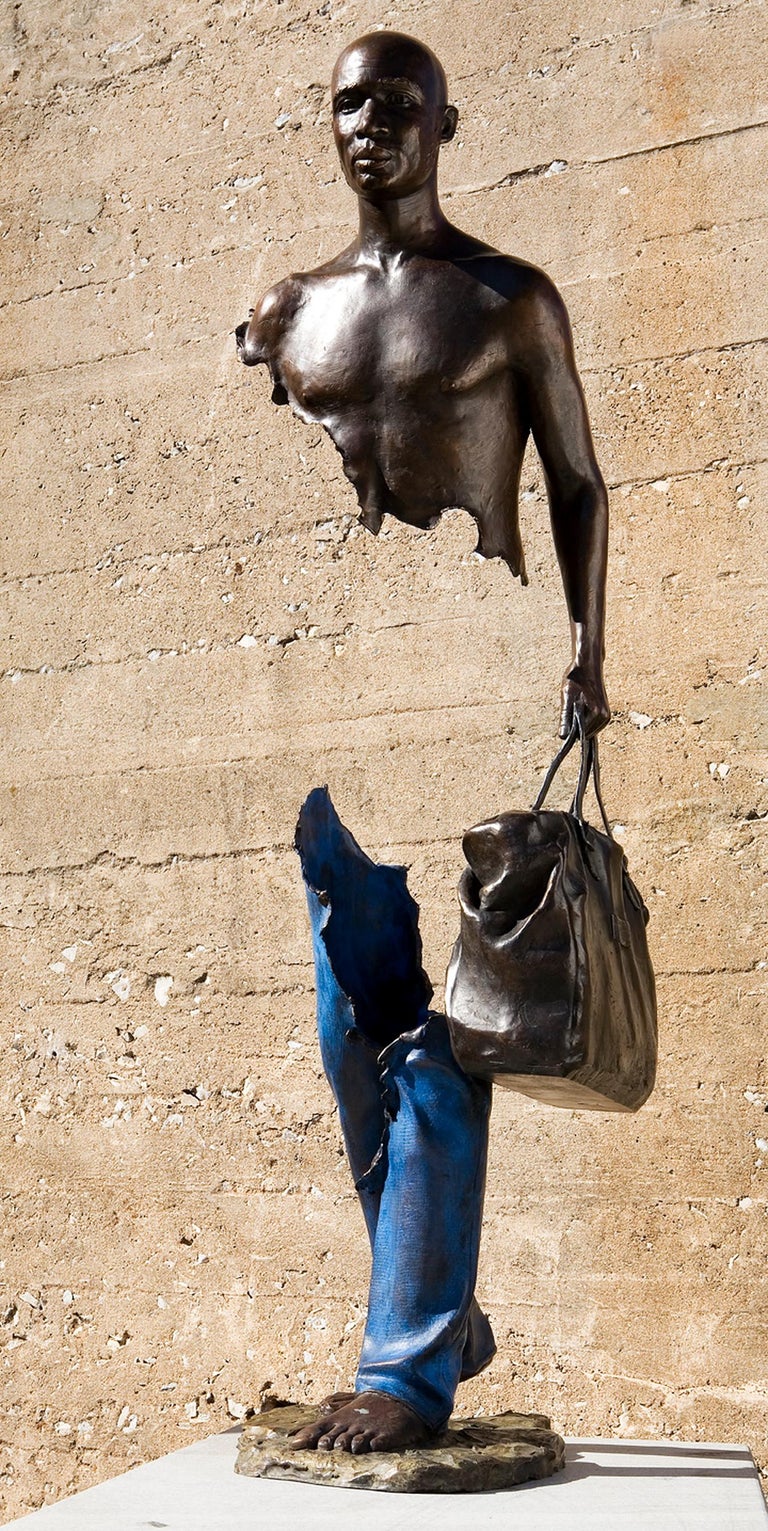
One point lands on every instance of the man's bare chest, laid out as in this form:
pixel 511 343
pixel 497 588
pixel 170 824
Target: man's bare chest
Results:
pixel 356 341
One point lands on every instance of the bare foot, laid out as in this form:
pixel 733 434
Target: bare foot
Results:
pixel 368 1422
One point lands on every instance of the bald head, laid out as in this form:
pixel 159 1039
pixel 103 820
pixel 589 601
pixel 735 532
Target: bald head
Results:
pixel 394 55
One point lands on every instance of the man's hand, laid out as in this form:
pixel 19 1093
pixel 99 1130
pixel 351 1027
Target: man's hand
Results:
pixel 583 699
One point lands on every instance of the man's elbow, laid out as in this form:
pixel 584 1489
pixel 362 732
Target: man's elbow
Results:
pixel 582 497
pixel 248 350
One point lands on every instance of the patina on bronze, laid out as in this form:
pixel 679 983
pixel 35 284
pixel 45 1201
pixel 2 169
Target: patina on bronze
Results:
pixel 430 358
pixel 550 988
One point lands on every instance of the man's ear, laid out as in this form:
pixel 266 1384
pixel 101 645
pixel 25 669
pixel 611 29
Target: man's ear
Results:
pixel 448 128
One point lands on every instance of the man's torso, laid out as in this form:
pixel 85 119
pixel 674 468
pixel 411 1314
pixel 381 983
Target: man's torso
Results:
pixel 412 372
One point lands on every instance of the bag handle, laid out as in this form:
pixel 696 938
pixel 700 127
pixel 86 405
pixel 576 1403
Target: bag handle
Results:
pixel 589 766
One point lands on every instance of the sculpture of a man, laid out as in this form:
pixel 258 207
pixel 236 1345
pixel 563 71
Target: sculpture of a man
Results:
pixel 429 357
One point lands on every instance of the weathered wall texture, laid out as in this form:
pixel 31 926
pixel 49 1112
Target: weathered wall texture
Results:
pixel 196 632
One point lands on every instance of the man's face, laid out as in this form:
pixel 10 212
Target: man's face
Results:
pixel 389 117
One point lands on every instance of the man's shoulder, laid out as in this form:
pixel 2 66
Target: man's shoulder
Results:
pixel 533 314
pixel 280 304
pixel 515 279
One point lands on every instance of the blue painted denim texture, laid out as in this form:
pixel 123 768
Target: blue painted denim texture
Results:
pixel 415 1126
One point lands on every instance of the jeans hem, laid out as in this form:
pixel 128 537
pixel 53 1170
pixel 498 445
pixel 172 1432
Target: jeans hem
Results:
pixel 432 1421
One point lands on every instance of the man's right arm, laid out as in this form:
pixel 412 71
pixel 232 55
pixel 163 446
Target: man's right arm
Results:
pixel 577 495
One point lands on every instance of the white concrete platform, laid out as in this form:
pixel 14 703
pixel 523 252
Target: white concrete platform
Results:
pixel 606 1486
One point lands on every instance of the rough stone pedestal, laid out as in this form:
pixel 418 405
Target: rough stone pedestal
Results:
pixel 469 1457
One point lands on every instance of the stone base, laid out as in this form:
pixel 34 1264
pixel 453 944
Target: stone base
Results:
pixel 471 1456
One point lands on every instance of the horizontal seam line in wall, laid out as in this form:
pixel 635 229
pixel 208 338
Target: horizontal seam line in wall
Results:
pixel 178 767
pixel 342 721
pixel 74 666
pixel 112 356
pixel 716 465
pixel 191 54
pixel 713 972
pixel 106 1004
pixel 221 335
pixel 117 278
pixel 348 1194
pixel 111 860
pixel 166 863
pixel 652 361
pixel 189 50
pixel 215 650
pixel 243 248
pixel 699 1280
pixel 95 87
pixel 192 550
pixel 94 361
pixel 386 712
pixel 223 995
pixel 535 171
pixel 714 809
pixel 350 630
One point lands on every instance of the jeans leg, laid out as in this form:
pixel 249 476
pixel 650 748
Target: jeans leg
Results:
pixel 369 929
pixel 352 1069
pixel 415 1126
pixel 421 1303
pixel 369 979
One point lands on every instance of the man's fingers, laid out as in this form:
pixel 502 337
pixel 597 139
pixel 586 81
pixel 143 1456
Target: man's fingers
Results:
pixel 583 706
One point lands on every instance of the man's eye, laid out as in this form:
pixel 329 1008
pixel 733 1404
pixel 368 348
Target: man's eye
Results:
pixel 397 98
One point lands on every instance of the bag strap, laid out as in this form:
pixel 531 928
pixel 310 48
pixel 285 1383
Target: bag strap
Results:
pixel 596 786
pixel 564 750
pixel 589 766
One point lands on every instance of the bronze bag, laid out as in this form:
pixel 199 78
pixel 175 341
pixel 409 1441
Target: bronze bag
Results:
pixel 550 988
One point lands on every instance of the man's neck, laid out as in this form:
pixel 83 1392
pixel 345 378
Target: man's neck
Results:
pixel 392 229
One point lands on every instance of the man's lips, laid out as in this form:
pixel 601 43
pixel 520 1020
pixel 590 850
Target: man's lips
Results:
pixel 372 156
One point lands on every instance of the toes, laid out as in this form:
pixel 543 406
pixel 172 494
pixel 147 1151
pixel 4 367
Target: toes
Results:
pixel 355 1438
pixel 329 1436
pixel 380 1442
pixel 342 1431
pixel 317 1437
pixel 348 1438
pixel 305 1439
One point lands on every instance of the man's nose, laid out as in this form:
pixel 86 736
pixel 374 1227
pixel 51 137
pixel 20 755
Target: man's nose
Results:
pixel 372 121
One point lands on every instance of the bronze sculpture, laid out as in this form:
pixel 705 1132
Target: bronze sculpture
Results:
pixel 429 357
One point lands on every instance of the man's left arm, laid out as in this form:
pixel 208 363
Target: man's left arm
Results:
pixel 578 499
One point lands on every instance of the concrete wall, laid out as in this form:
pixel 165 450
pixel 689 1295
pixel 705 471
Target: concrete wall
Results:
pixel 196 632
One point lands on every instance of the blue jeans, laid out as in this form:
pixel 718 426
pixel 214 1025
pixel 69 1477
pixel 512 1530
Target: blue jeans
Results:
pixel 415 1126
